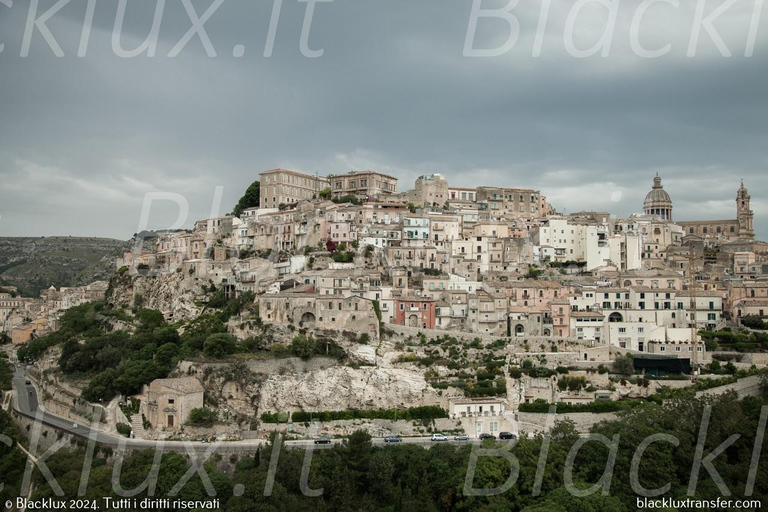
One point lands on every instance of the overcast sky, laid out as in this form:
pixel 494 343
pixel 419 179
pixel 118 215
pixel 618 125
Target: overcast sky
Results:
pixel 83 139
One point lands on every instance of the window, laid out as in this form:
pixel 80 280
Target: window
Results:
pixel 622 330
pixel 662 348
pixel 171 401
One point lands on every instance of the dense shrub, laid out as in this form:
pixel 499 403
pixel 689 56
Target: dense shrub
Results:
pixel 428 412
pixel 124 430
pixel 202 417
pixel 594 407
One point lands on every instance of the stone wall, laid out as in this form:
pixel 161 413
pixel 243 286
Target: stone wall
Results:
pixel 61 397
pixel 48 436
pixel 532 423
pixel 748 386
pixel 748 358
pixel 376 428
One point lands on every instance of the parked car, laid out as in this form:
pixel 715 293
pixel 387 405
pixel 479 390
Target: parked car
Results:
pixel 393 439
pixel 439 437
pixel 461 437
pixel 507 435
pixel 28 382
pixel 323 440
pixel 484 436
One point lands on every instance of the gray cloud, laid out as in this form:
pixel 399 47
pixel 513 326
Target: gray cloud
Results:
pixel 83 139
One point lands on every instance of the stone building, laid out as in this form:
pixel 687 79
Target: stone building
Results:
pixel 513 203
pixel 363 184
pixel 281 186
pixel 308 310
pixel 429 190
pixel 415 312
pixel 169 402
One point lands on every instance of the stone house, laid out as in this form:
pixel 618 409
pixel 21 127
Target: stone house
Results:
pixel 415 312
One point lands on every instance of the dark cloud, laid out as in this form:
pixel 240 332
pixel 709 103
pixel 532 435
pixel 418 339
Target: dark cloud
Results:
pixel 83 139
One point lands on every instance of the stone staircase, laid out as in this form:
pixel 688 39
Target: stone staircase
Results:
pixel 138 426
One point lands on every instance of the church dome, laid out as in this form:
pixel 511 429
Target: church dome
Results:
pixel 658 202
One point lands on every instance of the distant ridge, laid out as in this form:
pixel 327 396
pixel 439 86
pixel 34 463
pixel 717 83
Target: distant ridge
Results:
pixel 32 264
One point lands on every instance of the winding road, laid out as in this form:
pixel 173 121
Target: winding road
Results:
pixel 27 404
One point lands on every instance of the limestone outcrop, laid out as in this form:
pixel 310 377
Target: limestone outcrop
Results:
pixel 340 388
pixel 174 294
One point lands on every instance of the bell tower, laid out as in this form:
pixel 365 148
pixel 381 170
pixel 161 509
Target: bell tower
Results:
pixel 746 216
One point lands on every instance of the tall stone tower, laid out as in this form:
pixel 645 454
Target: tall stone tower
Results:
pixel 746 216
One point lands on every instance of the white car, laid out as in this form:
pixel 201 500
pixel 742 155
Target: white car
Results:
pixel 439 437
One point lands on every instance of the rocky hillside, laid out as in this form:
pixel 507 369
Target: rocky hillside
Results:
pixel 173 294
pixel 32 264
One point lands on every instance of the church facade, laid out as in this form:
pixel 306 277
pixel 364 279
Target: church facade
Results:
pixel 658 203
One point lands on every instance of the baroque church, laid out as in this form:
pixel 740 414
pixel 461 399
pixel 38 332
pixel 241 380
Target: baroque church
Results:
pixel 658 203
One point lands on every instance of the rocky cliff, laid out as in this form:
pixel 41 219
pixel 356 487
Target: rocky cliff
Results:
pixel 173 294
pixel 246 389
pixel 340 388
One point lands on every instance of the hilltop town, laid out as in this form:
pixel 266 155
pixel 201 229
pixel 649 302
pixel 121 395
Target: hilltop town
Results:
pixel 337 295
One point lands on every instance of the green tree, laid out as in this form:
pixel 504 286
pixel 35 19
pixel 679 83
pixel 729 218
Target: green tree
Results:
pixel 12 460
pixel 150 319
pixel 624 365
pixel 303 346
pixel 102 386
pixel 135 375
pixel 533 273
pixel 325 193
pixel 202 417
pixel 219 345
pixel 124 429
pixel 359 448
pixel 166 354
pixel 250 199
pixel 564 433
pixel 560 500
